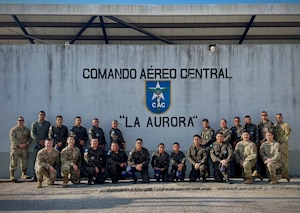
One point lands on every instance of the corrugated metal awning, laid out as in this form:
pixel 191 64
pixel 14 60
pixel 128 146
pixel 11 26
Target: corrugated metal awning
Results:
pixel 150 24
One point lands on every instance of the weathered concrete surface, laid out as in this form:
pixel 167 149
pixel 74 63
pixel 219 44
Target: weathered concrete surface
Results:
pixel 153 197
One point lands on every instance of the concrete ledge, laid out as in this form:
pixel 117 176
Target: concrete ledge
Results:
pixel 126 185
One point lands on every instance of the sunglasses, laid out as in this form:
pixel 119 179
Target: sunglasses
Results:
pixel 20 120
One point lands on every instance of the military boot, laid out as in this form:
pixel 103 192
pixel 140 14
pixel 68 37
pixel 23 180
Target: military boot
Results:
pixel 12 177
pixel 256 174
pixel 204 178
pixel 65 181
pixel 286 176
pixel 39 184
pixel 24 176
pixel 248 181
pixel 273 181
pixel 90 179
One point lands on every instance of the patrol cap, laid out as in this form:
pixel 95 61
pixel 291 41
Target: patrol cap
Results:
pixel 223 168
pixel 179 174
pixel 124 174
pixel 157 173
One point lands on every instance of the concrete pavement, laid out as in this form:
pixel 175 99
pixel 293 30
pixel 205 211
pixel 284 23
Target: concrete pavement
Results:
pixel 128 185
pixel 155 197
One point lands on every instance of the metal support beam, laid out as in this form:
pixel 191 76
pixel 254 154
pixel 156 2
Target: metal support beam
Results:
pixel 102 24
pixel 247 29
pixel 23 28
pixel 83 29
pixel 139 29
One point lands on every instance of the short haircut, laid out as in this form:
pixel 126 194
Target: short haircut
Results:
pixel 247 116
pixel 205 120
pixel 176 143
pixel 269 132
pixel 197 136
pixel 161 144
pixel 59 116
pixel 223 119
pixel 246 131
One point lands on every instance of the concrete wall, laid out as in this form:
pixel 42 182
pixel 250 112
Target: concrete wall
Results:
pixel 236 80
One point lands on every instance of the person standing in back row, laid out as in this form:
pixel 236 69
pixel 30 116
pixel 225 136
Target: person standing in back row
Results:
pixel 207 138
pixel 282 131
pixel 58 133
pixel 96 132
pixel 39 133
pixel 265 125
pixel 116 135
pixel 20 138
pixel 80 136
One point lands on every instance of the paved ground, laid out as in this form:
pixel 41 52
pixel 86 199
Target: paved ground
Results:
pixel 154 197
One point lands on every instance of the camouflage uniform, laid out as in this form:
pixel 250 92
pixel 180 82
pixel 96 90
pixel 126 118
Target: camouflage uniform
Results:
pixel 272 151
pixel 207 137
pixel 136 157
pixel 68 157
pixel 220 152
pixel 18 135
pixel 197 155
pixel 263 127
pixel 227 135
pixel 97 132
pixel 95 158
pixel 79 133
pixel 161 161
pixel 246 151
pixel 113 164
pixel 177 158
pixel 39 131
pixel 44 160
pixel 58 134
pixel 282 133
pixel 117 136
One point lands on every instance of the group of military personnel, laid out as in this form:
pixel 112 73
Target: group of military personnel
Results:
pixel 240 151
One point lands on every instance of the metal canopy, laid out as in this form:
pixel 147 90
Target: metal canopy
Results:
pixel 150 24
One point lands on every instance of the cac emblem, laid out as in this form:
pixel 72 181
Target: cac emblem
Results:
pixel 158 96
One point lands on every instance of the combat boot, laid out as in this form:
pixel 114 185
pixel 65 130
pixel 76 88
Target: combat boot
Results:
pixel 248 181
pixel 12 177
pixel 287 177
pixel 39 184
pixel 90 179
pixel 256 174
pixel 24 176
pixel 273 181
pixel 65 181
